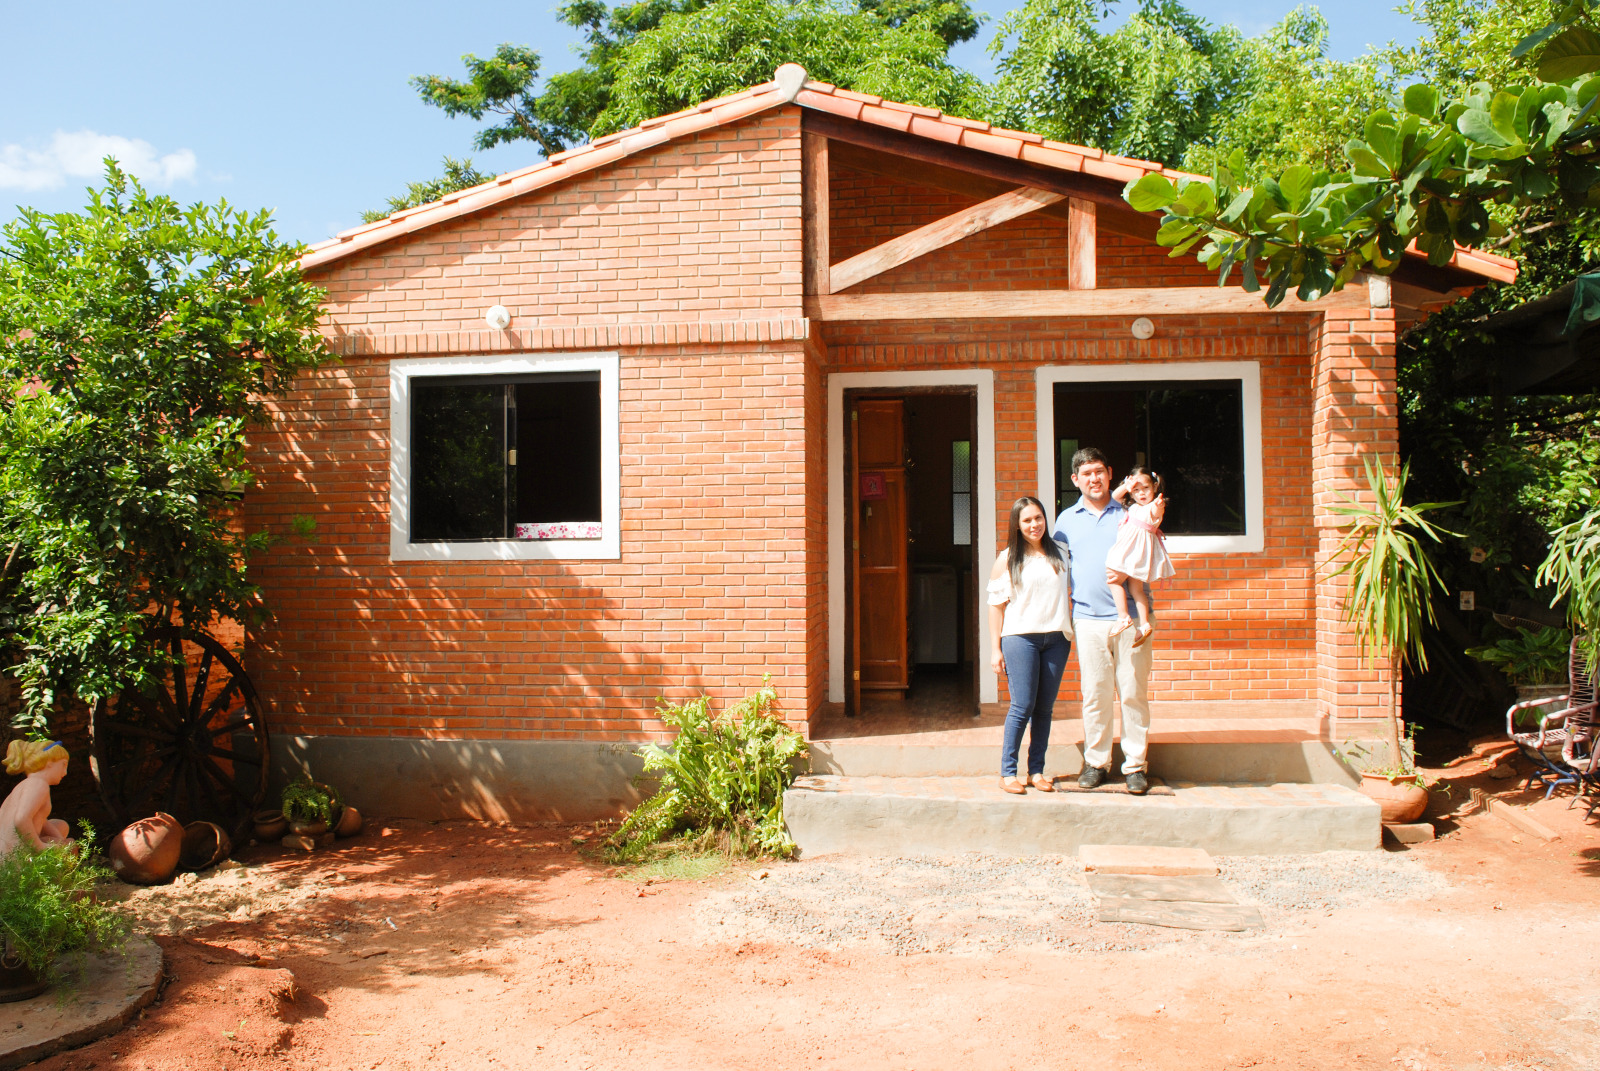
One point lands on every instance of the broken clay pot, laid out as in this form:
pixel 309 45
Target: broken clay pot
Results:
pixel 205 844
pixel 147 852
pixel 349 822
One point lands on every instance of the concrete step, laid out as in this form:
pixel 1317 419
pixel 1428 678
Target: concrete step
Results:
pixel 944 815
pixel 1251 749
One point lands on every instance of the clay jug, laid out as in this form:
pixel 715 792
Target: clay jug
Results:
pixel 270 825
pixel 146 853
pixel 1399 799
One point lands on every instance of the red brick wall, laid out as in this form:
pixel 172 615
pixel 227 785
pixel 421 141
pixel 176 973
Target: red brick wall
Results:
pixel 712 588
pixel 723 569
pixel 1239 627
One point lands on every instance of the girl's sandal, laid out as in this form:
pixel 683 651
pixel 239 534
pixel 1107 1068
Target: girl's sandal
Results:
pixel 1042 783
pixel 1123 624
pixel 1143 634
pixel 1012 785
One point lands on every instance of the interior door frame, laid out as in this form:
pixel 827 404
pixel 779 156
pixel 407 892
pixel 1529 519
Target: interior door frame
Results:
pixel 981 380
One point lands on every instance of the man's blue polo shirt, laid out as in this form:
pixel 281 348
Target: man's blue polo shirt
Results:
pixel 1090 538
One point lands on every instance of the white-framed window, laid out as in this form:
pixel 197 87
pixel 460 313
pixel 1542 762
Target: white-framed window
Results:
pixel 1197 423
pixel 504 458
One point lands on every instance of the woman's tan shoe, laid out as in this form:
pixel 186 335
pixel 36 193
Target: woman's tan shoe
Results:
pixel 1042 783
pixel 1012 785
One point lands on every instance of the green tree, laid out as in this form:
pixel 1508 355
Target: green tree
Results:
pixel 1431 169
pixel 732 44
pixel 1291 104
pixel 1149 89
pixel 458 175
pixel 138 343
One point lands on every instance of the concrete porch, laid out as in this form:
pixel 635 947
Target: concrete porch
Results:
pixel 921 777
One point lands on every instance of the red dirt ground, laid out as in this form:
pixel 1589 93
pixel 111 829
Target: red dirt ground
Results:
pixel 510 950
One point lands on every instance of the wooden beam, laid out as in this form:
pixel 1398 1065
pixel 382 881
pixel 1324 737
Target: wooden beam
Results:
pixel 1123 220
pixel 1014 304
pixel 936 235
pixel 814 196
pixel 1080 245
pixel 974 161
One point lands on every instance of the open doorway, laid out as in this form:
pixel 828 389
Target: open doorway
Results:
pixel 911 461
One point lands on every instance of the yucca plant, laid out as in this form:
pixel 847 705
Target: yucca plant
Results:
pixel 1572 567
pixel 723 775
pixel 1390 581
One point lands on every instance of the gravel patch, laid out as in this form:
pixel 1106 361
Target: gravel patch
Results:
pixel 981 904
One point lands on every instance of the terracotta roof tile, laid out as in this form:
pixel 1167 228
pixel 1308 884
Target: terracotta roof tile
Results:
pixel 821 96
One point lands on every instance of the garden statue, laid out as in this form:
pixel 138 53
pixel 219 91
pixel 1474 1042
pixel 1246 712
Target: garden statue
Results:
pixel 25 814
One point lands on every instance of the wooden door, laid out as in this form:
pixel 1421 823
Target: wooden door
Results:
pixel 881 571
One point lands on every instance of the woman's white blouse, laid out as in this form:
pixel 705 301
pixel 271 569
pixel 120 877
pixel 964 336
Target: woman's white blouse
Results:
pixel 1042 603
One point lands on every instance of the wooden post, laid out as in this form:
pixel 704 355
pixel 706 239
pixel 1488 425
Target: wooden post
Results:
pixel 1080 244
pixel 814 194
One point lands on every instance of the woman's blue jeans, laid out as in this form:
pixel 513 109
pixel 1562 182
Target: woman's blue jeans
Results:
pixel 1035 662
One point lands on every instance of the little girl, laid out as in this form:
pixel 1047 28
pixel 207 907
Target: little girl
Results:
pixel 1139 552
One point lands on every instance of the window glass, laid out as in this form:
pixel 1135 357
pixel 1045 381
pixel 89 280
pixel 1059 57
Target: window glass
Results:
pixel 961 492
pixel 1189 431
pixel 458 470
pixel 503 457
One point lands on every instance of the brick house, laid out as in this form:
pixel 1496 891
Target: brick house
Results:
pixel 774 369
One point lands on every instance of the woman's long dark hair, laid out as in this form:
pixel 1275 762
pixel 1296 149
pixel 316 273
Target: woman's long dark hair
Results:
pixel 1017 545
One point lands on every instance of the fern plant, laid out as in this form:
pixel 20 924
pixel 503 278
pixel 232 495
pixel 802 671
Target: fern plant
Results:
pixel 723 775
pixel 1573 568
pixel 305 800
pixel 48 909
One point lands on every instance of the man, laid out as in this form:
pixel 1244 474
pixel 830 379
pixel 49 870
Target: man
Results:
pixel 1108 666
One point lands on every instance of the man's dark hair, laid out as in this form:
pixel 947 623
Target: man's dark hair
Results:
pixel 1086 455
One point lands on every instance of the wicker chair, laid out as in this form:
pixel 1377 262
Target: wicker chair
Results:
pixel 1563 749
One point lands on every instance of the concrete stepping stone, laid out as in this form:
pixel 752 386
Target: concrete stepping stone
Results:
pixel 1146 859
pixel 1191 888
pixel 1181 915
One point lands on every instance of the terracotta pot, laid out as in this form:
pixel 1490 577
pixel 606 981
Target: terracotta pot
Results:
pixel 1399 799
pixel 308 829
pixel 204 846
pixel 147 852
pixel 349 823
pixel 17 980
pixel 270 825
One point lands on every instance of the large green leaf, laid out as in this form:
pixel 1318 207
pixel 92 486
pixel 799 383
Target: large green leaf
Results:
pixel 1296 186
pixel 1477 125
pixel 1574 52
pixel 1151 193
pixel 1422 100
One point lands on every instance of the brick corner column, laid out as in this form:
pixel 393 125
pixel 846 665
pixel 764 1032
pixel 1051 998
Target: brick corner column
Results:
pixel 1355 418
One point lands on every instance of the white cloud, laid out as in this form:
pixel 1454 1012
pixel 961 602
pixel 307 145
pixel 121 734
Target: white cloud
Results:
pixel 80 155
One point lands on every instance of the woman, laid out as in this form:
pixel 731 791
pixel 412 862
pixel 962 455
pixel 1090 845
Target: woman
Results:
pixel 1030 618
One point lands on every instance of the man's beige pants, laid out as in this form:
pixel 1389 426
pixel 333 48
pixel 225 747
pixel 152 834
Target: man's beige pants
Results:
pixel 1107 669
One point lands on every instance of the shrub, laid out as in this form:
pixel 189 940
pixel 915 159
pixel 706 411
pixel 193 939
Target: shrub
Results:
pixel 48 908
pixel 1531 656
pixel 723 775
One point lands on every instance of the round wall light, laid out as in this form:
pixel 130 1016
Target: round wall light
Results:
pixel 498 317
pixel 1143 328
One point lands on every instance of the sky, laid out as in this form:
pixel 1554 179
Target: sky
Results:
pixel 304 108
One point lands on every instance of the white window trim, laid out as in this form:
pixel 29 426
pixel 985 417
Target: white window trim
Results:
pixel 402 372
pixel 983 504
pixel 1253 541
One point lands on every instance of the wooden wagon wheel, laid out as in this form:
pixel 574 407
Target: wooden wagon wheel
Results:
pixel 195 747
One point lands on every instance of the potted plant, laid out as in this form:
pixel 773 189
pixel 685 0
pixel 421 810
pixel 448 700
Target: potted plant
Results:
pixel 311 807
pixel 48 910
pixel 1388 598
pixel 1533 660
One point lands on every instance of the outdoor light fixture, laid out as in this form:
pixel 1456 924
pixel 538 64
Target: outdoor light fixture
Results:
pixel 1143 328
pixel 498 317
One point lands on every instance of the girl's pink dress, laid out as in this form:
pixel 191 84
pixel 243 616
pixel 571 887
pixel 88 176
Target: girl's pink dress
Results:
pixel 1139 550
